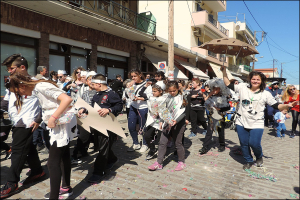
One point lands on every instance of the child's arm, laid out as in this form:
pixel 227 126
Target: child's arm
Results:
pixel 287 116
pixel 65 102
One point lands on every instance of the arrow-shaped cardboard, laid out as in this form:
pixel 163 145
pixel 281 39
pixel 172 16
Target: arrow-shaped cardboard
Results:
pixel 94 120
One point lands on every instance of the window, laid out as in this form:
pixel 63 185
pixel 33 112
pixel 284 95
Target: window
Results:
pixel 68 57
pixel 112 72
pixel 198 7
pixel 14 44
pixel 199 42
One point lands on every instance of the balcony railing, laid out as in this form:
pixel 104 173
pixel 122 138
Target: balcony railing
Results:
pixel 251 32
pixel 212 20
pixel 222 29
pixel 119 13
pixel 247 68
pixel 222 58
pixel 210 53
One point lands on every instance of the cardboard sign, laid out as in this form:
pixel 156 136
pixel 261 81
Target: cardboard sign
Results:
pixel 94 120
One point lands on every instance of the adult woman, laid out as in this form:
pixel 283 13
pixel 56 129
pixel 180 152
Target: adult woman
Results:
pixel 54 103
pixel 53 76
pixel 76 84
pixel 138 109
pixel 197 109
pixel 250 120
pixel 291 95
pixel 181 85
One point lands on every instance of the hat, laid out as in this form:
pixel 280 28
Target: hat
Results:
pixel 61 72
pixel 69 78
pixel 91 73
pixel 83 73
pixel 275 82
pixel 161 85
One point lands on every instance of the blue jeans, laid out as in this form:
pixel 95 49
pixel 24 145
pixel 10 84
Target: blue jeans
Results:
pixel 137 115
pixel 38 136
pixel 271 112
pixel 280 129
pixel 250 138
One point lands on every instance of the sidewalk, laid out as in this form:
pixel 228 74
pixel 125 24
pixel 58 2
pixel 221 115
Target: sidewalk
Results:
pixel 212 176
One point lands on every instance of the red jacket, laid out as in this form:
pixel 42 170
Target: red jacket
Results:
pixel 296 107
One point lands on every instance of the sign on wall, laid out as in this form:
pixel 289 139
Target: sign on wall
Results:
pixel 162 66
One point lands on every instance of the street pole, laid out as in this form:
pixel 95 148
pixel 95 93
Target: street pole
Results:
pixel 281 71
pixel 273 66
pixel 171 41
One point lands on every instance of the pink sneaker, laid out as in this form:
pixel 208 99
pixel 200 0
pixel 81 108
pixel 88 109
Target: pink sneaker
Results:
pixel 155 166
pixel 180 166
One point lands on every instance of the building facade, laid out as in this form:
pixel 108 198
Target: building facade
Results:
pixel 104 36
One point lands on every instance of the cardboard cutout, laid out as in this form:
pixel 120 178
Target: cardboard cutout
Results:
pixel 94 120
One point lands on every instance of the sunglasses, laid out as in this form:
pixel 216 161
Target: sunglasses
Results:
pixel 276 84
pixel 77 72
pixel 293 89
pixel 59 77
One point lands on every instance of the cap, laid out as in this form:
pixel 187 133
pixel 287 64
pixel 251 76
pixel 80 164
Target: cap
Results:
pixel 93 73
pixel 274 82
pixel 83 73
pixel 161 85
pixel 61 72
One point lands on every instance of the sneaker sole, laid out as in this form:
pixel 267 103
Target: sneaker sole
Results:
pixel 152 156
pixel 155 169
pixel 9 194
pixel 66 195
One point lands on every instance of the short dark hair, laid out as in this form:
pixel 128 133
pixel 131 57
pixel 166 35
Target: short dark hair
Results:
pixel 138 72
pixel 118 76
pixel 160 73
pixel 100 77
pixel 17 59
pixel 262 77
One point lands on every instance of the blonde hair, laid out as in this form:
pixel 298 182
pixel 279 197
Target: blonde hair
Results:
pixel 74 77
pixel 286 95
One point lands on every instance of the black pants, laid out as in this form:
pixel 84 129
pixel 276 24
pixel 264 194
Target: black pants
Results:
pixel 127 112
pixel 46 138
pixel 150 136
pixel 3 145
pixel 208 136
pixel 295 116
pixel 105 155
pixel 197 116
pixel 23 150
pixel 37 136
pixel 83 142
pixel 59 166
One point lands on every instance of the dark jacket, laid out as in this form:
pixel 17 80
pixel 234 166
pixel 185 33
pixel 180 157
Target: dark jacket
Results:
pixel 108 99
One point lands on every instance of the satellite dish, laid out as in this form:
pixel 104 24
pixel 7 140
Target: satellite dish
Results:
pixel 237 25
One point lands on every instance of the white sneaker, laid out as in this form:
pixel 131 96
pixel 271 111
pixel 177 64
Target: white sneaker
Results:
pixel 144 148
pixel 134 147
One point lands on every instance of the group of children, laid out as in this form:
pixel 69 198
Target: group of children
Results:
pixel 161 110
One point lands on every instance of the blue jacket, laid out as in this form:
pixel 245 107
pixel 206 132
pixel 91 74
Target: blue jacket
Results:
pixel 274 92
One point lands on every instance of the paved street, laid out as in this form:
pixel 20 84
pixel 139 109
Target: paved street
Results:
pixel 213 176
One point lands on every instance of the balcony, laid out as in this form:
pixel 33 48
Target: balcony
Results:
pixel 106 16
pixel 245 31
pixel 212 57
pixel 245 69
pixel 216 6
pixel 206 22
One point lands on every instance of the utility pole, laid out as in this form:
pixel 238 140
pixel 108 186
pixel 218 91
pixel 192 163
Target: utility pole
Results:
pixel 171 41
pixel 274 66
pixel 281 70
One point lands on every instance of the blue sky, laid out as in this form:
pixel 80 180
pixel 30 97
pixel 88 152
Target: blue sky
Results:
pixel 280 19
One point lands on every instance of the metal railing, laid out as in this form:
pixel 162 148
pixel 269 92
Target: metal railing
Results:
pixel 117 12
pixel 222 58
pixel 247 68
pixel 222 29
pixel 212 20
pixel 210 53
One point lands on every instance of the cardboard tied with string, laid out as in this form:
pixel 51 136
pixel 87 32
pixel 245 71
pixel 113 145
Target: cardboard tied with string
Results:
pixel 91 118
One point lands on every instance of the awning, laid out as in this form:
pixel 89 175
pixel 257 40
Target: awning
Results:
pixel 218 72
pixel 238 79
pixel 177 73
pixel 197 73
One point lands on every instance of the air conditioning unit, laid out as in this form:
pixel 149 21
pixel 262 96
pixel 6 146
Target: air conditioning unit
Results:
pixel 197 32
pixel 237 25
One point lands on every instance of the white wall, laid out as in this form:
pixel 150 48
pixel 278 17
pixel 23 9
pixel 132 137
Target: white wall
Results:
pixel 182 19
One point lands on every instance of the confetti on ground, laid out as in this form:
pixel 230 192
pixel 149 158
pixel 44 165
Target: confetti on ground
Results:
pixel 168 170
pixel 133 192
pixel 208 154
pixel 184 189
pixel 261 176
pixel 249 195
pixel 294 196
pixel 164 185
pixel 296 167
pixel 191 178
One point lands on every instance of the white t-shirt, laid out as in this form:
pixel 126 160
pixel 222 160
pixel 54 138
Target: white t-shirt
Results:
pixel 47 94
pixel 252 106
